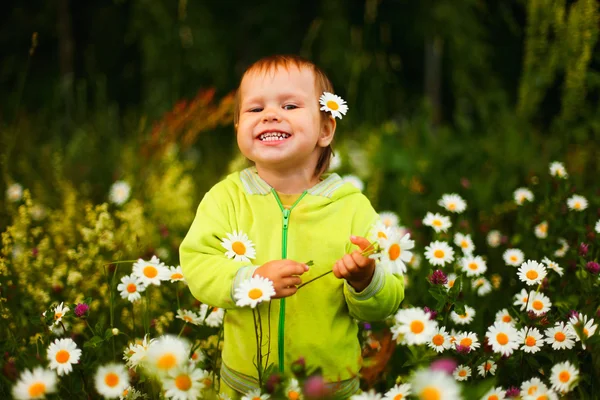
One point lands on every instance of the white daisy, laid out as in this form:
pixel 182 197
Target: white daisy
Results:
pixel 482 285
pixel 176 274
pixel 413 326
pixel 464 242
pixel 389 219
pixel 334 104
pixel 541 230
pixel 130 287
pixel 439 253
pixel 184 383
pixel 564 247
pixel 396 252
pixel 35 384
pixel 189 317
pixel 539 303
pixel 503 338
pixel 151 272
pixel 354 181
pixel 496 393
pixel 453 203
pixel 213 316
pixel 239 247
pixel 440 223
pixel 398 392
pixel 379 232
pixel 582 327
pixel 14 193
pixel 553 266
pixel 560 336
pixel 533 387
pixel 59 313
pixel 136 352
pixel 62 354
pixel 111 380
pixel 253 291
pixel 130 393
pixel 513 257
pixel 558 169
pixel 597 227
pixel 521 195
pixel 429 384
pixel 473 265
pixel 530 339
pixel 440 340
pixel 451 280
pixel 167 353
pixel 504 316
pixel 370 395
pixel 255 395
pixel 577 202
pixel 546 394
pixel 335 163
pixel 522 299
pixel 463 319
pixel 197 356
pixel 562 376
pixel 532 272
pixel 494 238
pixel 119 192
pixel 467 339
pixel 487 368
pixel 462 373
pixel 38 212
pixel 292 391
pixel 415 262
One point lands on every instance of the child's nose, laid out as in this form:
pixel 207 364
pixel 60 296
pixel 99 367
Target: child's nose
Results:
pixel 271 115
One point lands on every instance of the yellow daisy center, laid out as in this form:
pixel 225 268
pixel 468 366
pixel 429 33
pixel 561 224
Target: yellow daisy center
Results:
pixel 417 326
pixel 399 396
pixel 506 318
pixel 215 309
pixel 586 332
pixel 394 251
pixel 487 366
pixel 531 274
pixel 530 341
pixel 577 205
pixel 381 234
pixel 451 206
pixel 502 338
pixel 438 340
pixel 150 271
pixel 462 373
pixel 111 379
pixel 255 293
pixel 438 253
pixel 544 228
pixel 493 397
pixel 62 356
pixel 37 389
pixel 473 266
pixel 532 390
pixel 538 305
pixel 256 398
pixel 207 382
pixel 176 275
pixel 57 316
pixel 451 283
pixel 293 395
pixel 131 288
pixel 513 258
pixel 542 397
pixel 333 105
pixel 564 376
pixel 187 318
pixel 167 361
pixel 431 393
pixel 437 222
pixel 560 337
pixel 183 382
pixel 238 248
pixel 466 342
pixel 464 244
pixel 387 222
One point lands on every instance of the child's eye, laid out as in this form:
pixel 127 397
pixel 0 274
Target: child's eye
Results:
pixel 255 109
pixel 290 106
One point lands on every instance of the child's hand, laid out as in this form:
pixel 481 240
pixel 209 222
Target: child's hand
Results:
pixel 355 268
pixel 285 275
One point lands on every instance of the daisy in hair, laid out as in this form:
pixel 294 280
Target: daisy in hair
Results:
pixel 553 266
pixel 532 272
pixel 398 392
pixel 167 353
pixel 131 287
pixel 429 384
pixel 183 383
pixel 539 303
pixel 482 285
pixel 253 291
pixel 440 340
pixel 560 336
pixel 464 242
pixel 62 354
pixel 439 253
pixel 463 319
pixel 541 230
pixel 513 257
pixel 151 272
pixel 563 376
pixel 111 380
pixel 292 391
pixel 213 316
pixel 413 326
pixel 473 265
pixel 494 238
pixel 467 339
pixel 451 279
pixel 522 299
pixel 439 223
pixel 562 250
pixel 176 274
pixel 333 104
pixel 35 384
pixel 531 339
pixel 521 195
pixel 389 219
pixel 59 313
pixel 189 317
pixel 504 316
pixel 487 368
pixel 582 327
pixel 453 203
pixel 577 203
pixel 558 170
pixel 496 393
pixel 239 247
pixel 255 395
pixel 370 395
pixel 503 338
pixel 395 252
pixel 462 373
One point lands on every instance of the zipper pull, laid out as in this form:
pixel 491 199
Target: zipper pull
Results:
pixel 286 217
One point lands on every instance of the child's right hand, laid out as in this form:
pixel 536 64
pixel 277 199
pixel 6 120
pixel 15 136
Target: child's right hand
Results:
pixel 285 275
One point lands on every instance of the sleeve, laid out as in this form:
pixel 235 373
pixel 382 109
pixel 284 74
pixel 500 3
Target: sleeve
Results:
pixel 210 274
pixel 384 294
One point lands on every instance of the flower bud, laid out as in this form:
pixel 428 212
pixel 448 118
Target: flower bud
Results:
pixel 115 331
pixel 593 267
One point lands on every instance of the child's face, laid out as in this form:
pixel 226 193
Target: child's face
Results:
pixel 280 125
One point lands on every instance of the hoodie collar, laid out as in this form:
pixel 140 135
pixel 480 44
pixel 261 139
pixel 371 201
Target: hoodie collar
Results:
pixel 254 184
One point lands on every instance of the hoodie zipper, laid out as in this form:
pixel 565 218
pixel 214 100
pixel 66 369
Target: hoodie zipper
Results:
pixel 286 221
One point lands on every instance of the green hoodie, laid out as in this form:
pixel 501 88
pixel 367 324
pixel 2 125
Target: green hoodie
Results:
pixel 319 322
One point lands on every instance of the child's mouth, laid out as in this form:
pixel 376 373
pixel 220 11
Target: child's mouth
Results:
pixel 273 136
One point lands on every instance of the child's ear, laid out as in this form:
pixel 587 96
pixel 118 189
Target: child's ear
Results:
pixel 327 132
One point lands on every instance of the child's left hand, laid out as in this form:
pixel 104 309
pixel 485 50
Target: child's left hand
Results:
pixel 355 268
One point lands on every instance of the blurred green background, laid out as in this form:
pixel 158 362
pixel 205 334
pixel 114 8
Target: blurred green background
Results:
pixel 466 96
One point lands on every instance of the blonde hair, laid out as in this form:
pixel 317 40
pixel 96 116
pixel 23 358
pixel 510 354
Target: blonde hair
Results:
pixel 322 84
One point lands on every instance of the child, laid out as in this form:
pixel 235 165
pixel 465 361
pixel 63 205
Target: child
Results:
pixel 292 213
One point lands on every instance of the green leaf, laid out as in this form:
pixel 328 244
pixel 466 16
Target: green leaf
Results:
pixel 93 342
pixel 108 333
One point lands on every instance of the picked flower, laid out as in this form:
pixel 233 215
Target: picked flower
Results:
pixel 239 247
pixel 334 104
pixel 440 223
pixel 532 272
pixel 577 202
pixel 253 291
pixel 521 195
pixel 395 252
pixel 35 384
pixel 62 354
pixel 558 170
pixel 130 287
pixel 439 253
pixel 151 272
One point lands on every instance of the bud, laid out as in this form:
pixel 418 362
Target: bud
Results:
pixel 593 267
pixel 115 331
pixel 438 277
pixel 81 309
pixel 583 249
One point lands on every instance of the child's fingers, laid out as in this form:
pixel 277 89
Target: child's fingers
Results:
pixel 291 281
pixel 360 260
pixel 294 268
pixel 361 242
pixel 286 292
pixel 349 263
pixel 339 270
